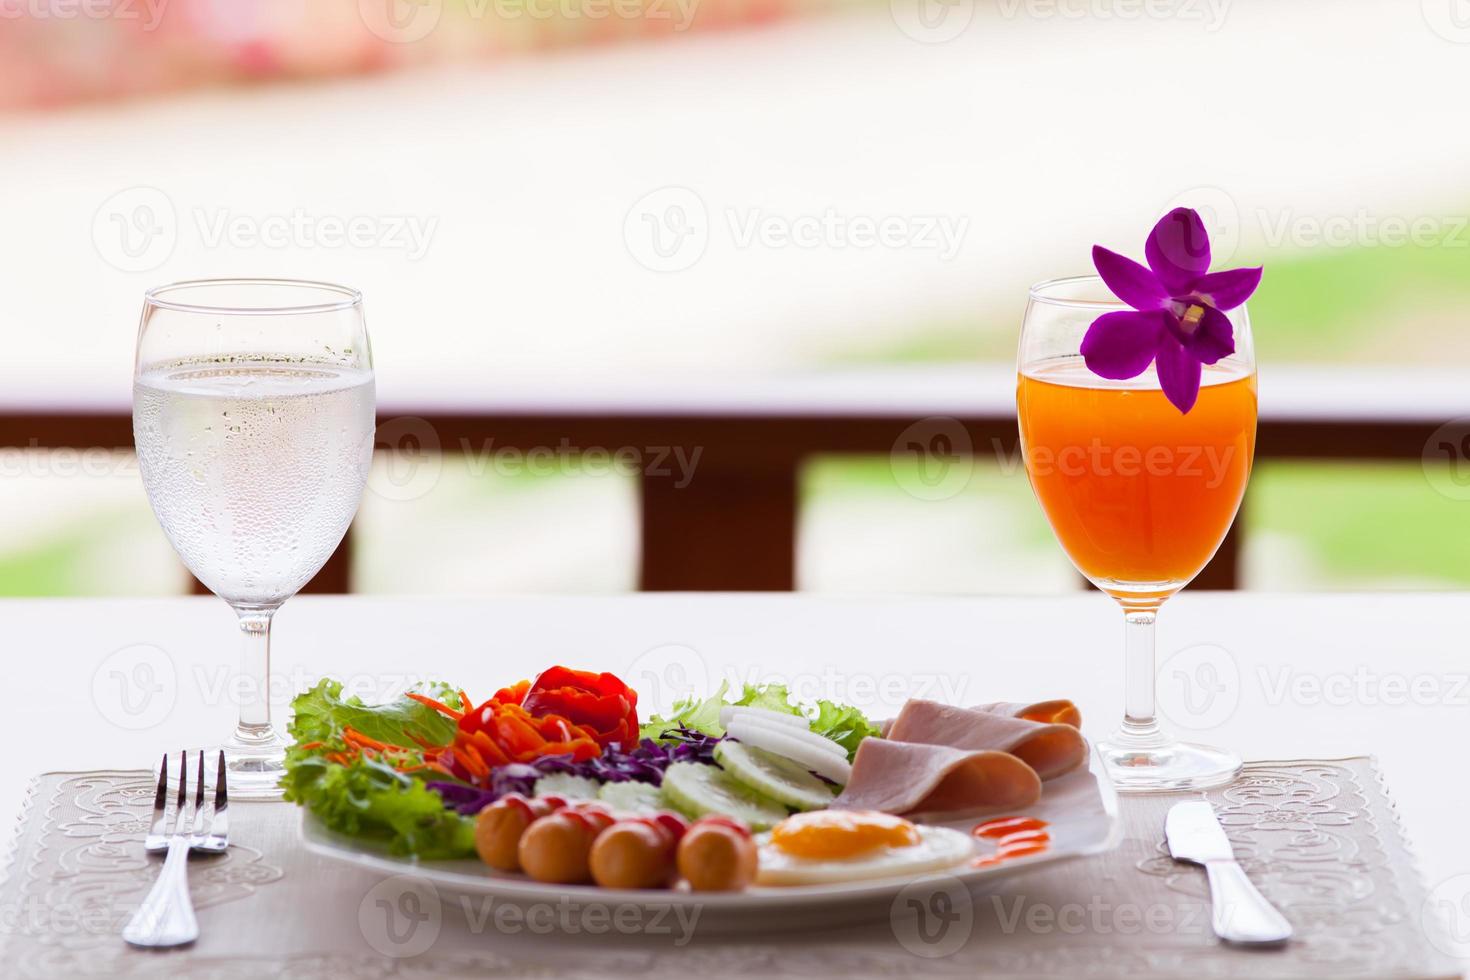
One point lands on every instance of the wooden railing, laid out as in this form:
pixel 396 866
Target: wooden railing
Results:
pixel 730 524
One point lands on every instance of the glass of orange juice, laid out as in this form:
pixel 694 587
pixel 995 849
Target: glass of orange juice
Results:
pixel 1139 495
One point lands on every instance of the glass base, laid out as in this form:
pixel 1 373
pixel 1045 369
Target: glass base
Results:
pixel 254 761
pixel 1161 764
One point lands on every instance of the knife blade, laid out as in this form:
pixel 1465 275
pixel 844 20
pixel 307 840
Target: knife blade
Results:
pixel 1238 913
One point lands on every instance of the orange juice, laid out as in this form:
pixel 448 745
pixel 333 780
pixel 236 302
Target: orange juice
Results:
pixel 1138 494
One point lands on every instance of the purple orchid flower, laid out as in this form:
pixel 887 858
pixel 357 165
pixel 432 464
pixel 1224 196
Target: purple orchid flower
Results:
pixel 1177 322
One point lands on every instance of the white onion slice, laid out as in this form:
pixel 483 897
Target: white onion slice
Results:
pixel 730 711
pixel 788 743
pixel 802 732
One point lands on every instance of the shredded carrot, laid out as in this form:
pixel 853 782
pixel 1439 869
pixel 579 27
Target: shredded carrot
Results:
pixel 488 736
pixel 488 750
pixel 473 760
pixel 361 739
pixel 417 766
pixel 313 745
pixel 439 706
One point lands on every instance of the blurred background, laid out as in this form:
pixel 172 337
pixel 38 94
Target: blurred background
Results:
pixel 624 255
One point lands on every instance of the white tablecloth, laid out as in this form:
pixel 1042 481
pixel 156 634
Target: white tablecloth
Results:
pixel 1318 838
pixel 114 683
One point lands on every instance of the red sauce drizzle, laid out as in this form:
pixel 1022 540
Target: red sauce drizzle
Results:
pixel 1012 837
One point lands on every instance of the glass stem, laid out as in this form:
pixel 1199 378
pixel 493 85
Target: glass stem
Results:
pixel 255 670
pixel 1139 724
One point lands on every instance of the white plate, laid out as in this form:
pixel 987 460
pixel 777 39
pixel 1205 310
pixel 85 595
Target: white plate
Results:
pixel 1081 809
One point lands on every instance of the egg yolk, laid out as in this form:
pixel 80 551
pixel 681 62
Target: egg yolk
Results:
pixel 841 834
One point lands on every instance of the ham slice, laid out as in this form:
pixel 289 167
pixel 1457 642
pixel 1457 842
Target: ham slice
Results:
pixel 1052 749
pixel 914 779
pixel 1060 712
pixel 944 761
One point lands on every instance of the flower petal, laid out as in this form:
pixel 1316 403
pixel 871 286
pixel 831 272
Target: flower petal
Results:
pixel 1120 345
pixel 1178 249
pixel 1212 339
pixel 1179 374
pixel 1130 281
pixel 1229 288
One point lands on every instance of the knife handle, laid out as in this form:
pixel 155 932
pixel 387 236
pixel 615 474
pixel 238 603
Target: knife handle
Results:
pixel 1239 913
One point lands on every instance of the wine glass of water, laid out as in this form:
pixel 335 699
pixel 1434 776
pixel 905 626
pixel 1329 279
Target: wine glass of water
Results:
pixel 253 417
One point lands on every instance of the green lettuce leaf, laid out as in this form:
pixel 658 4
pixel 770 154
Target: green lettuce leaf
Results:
pixel 843 724
pixel 322 713
pixel 691 712
pixel 372 800
pixel 771 697
pixel 366 798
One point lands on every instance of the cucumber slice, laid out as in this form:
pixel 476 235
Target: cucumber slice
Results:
pixel 633 797
pixel 781 779
pixel 566 785
pixel 696 790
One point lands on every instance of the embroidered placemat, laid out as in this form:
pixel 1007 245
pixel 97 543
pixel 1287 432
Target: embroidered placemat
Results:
pixel 1320 839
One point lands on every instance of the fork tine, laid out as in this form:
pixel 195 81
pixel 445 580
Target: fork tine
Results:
pixel 159 827
pixel 196 832
pixel 183 801
pixel 219 824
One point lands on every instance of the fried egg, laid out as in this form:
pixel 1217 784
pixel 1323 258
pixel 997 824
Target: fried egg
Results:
pixel 829 846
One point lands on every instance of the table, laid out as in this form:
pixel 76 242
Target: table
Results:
pixel 1318 837
pixel 114 683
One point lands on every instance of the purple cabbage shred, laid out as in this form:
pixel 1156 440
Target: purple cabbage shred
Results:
pixel 645 764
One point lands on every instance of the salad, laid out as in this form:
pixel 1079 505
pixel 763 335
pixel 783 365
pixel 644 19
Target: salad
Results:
pixel 436 774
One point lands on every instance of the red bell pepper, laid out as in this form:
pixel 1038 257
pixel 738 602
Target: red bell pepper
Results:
pixel 600 702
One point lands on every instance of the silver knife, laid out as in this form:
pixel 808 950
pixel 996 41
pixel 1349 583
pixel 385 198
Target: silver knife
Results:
pixel 1239 914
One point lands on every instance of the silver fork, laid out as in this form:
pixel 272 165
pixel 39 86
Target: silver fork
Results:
pixel 166 917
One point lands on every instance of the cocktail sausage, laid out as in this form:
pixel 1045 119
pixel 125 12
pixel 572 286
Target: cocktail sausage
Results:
pixel 717 855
